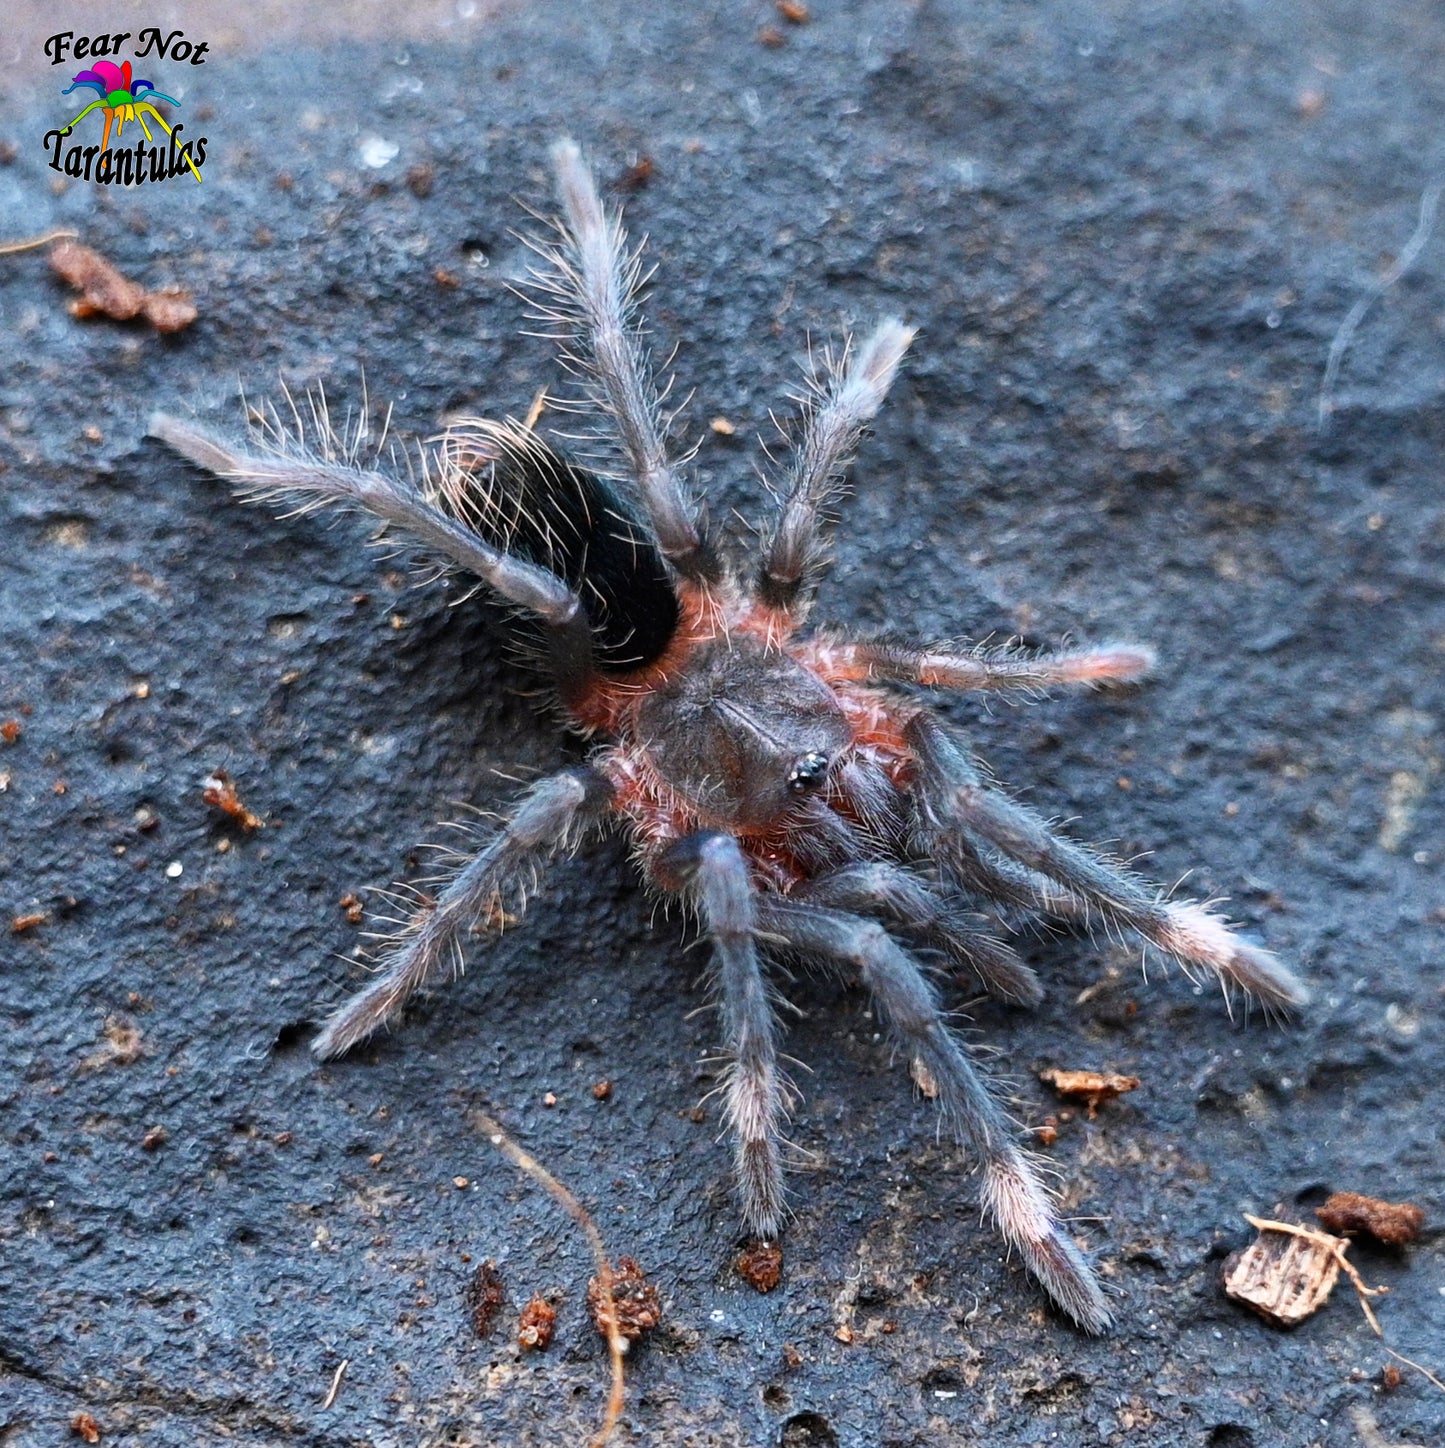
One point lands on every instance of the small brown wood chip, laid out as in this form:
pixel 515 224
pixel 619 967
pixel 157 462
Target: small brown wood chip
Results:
pixel 1288 1272
pixel 1091 1087
pixel 1284 1279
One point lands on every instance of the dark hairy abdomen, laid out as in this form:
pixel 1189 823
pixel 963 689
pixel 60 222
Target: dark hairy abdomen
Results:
pixel 539 505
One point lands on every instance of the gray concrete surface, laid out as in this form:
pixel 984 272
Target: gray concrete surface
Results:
pixel 1128 235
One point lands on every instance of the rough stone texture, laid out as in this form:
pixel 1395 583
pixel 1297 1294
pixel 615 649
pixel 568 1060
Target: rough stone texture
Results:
pixel 1128 235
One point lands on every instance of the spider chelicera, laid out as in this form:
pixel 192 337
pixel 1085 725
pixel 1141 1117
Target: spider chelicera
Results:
pixel 775 781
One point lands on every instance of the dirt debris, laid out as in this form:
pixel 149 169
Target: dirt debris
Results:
pixel 170 310
pixel 639 1308
pixel 1368 1428
pixel 1348 1214
pixel 218 789
pixel 760 1265
pixel 484 1295
pixel 107 292
pixel 335 1387
pixel 29 243
pixel 1284 1279
pixel 123 1044
pixel 602 1294
pixel 536 1324
pixel 636 176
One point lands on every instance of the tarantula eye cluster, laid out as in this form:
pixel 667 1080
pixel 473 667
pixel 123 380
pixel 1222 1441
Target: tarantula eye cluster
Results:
pixel 717 720
pixel 810 771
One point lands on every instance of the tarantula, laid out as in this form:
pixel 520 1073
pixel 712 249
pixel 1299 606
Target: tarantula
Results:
pixel 772 780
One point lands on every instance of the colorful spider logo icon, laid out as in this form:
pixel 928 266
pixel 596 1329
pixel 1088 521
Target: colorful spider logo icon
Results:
pixel 120 100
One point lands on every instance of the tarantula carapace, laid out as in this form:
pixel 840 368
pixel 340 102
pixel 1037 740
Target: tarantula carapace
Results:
pixel 775 781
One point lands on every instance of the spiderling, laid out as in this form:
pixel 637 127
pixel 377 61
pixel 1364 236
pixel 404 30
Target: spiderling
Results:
pixel 776 781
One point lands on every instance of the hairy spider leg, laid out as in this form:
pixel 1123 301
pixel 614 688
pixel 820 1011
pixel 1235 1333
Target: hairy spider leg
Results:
pixel 995 877
pixel 1012 1192
pixel 594 278
pixel 853 392
pixel 709 869
pixel 953 797
pixel 880 721
pixel 940 667
pixel 551 819
pixel 890 891
pixel 313 482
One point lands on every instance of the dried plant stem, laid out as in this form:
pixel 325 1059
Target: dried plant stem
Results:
pixel 336 1383
pixel 1412 248
pixel 11 248
pixel 1426 1371
pixel 1336 1247
pixel 534 412
pixel 616 1343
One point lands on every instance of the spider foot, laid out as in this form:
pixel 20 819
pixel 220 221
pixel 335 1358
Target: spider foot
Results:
pixel 1018 1203
pixel 1194 935
pixel 760 1186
